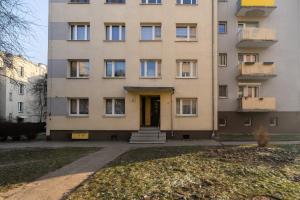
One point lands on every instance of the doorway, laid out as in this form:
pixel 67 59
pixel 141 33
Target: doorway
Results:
pixel 150 111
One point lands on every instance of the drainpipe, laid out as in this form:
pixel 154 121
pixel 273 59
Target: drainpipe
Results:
pixel 172 131
pixel 213 68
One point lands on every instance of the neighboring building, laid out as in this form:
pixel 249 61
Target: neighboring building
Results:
pixel 118 66
pixel 17 104
pixel 259 65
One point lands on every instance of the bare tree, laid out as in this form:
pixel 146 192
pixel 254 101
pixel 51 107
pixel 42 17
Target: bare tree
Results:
pixel 39 90
pixel 15 28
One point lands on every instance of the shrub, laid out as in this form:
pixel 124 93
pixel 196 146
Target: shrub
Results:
pixel 16 130
pixel 262 137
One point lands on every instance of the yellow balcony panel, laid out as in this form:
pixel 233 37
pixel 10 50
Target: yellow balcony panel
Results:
pixel 256 38
pixel 257 71
pixel 255 8
pixel 260 104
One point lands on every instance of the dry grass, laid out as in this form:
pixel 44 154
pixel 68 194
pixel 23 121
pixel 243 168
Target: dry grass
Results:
pixel 198 173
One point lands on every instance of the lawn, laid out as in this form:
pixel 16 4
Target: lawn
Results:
pixel 25 165
pixel 194 173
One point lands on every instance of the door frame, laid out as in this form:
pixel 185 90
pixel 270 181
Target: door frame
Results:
pixel 143 113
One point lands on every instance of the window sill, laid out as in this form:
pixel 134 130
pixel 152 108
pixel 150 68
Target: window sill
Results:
pixel 78 116
pixel 150 40
pixel 78 2
pixel 179 4
pixel 186 78
pixel 117 78
pixel 186 40
pixel 151 4
pixel 186 115
pixel 114 3
pixel 78 40
pixel 223 97
pixel 114 116
pixel 150 77
pixel 114 41
pixel 77 78
pixel 222 66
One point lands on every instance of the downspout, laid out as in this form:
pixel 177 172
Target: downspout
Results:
pixel 172 128
pixel 213 69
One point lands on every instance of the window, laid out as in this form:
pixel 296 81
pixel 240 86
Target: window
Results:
pixel 251 91
pixel 79 106
pixel 222 122
pixel 186 107
pixel 20 107
pixel 222 59
pixel 223 91
pixel 115 32
pixel 115 1
pixel 150 32
pixel 242 25
pixel 222 27
pixel 189 2
pixel 79 1
pixel 186 32
pixel 150 68
pixel 274 121
pixel 115 106
pixel 10 96
pixel 79 69
pixel 248 122
pixel 21 89
pixel 80 32
pixel 186 68
pixel 248 57
pixel 115 68
pixel 151 1
pixel 10 117
pixel 21 71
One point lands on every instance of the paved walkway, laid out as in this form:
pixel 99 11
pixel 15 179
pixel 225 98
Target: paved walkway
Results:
pixel 56 184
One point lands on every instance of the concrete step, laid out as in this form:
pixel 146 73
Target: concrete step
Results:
pixel 149 137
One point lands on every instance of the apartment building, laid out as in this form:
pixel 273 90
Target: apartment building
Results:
pixel 118 66
pixel 17 102
pixel 259 48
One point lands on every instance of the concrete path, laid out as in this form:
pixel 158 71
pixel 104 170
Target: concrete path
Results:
pixel 56 184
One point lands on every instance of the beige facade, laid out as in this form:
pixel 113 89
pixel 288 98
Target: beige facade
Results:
pixel 168 85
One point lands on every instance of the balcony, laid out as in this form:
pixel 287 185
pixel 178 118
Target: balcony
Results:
pixel 255 8
pixel 260 104
pixel 256 71
pixel 256 38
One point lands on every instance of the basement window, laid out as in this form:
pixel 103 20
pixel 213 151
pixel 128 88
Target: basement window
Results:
pixel 273 122
pixel 248 122
pixel 222 122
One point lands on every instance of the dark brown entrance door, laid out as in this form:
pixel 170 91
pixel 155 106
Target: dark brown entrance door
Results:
pixel 155 111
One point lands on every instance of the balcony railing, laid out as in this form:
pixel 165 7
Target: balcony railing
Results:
pixel 261 104
pixel 255 8
pixel 256 38
pixel 256 71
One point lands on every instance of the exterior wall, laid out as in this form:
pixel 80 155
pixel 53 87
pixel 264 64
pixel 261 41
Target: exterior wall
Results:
pixel 31 73
pixel 96 88
pixel 285 54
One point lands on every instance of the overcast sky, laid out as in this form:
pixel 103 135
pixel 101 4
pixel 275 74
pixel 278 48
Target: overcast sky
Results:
pixel 37 47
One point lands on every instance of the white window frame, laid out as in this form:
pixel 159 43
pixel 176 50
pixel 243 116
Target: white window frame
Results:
pixel 78 106
pixel 193 65
pixel 188 26
pixel 223 97
pixel 23 87
pixel 153 32
pixel 248 124
pixel 191 106
pixel 273 122
pixel 222 124
pixel 86 26
pixel 77 69
pixel 224 23
pixel 191 2
pixel 113 107
pixel 147 2
pixel 20 107
pixel 120 31
pixel 223 57
pixel 146 69
pixel 113 68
